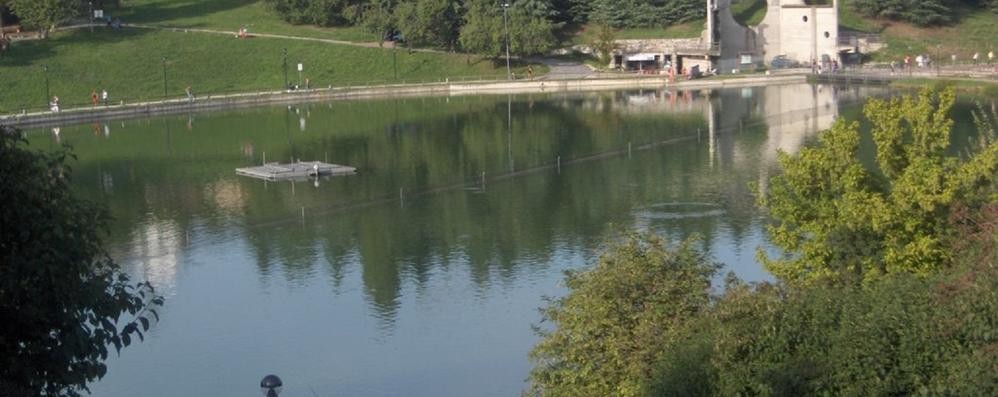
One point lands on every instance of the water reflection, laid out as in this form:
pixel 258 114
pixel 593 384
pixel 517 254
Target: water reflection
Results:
pixel 560 167
pixel 463 208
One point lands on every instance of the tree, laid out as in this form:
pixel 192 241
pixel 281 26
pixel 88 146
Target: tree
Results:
pixel 482 31
pixel 840 221
pixel 315 12
pixel 645 13
pixel 62 300
pixel 530 32
pixel 428 22
pixel 617 318
pixel 377 17
pixel 603 41
pixel 43 14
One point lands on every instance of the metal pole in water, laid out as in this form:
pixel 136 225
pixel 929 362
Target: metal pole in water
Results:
pixel 559 165
pixel 303 214
pixel 264 158
pixel 401 198
pixel 628 150
pixel 483 180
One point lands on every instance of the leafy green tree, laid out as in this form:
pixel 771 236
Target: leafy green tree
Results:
pixel 530 32
pixel 839 220
pixel 645 13
pixel 603 41
pixel 482 31
pixel 903 335
pixel 43 14
pixel 377 17
pixel 617 317
pixel 428 22
pixel 62 300
pixel 315 12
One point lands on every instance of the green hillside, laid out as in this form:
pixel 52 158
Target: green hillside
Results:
pixel 973 29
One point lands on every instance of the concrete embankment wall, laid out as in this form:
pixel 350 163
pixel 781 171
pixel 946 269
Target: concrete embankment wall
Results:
pixel 182 106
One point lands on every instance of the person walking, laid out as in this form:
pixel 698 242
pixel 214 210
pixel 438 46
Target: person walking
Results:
pixel 103 96
pixel 977 56
pixel 190 94
pixel 93 97
pixel 991 56
pixel 54 105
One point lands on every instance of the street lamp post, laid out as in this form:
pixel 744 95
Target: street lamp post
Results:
pixel 505 24
pixel 164 77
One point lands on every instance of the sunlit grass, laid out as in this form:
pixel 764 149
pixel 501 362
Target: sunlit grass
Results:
pixel 129 63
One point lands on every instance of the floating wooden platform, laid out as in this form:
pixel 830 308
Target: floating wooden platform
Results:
pixel 299 170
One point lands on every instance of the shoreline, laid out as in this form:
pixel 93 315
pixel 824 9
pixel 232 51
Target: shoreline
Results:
pixel 252 99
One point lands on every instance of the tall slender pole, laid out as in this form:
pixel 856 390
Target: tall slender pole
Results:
pixel 91 8
pixel 285 68
pixel 395 62
pixel 505 24
pixel 164 78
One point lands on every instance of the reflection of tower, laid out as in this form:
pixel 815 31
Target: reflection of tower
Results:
pixel 711 131
pixel 157 247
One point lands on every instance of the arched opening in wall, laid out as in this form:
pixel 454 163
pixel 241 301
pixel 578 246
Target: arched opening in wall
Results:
pixel 748 12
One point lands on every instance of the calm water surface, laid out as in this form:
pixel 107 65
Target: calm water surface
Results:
pixel 417 276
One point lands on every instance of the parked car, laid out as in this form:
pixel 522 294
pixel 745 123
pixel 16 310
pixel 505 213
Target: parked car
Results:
pixel 782 62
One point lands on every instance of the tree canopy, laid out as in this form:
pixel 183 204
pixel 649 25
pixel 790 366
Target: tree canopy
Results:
pixel 63 301
pixel 843 220
pixel 477 25
pixel 43 14
pixel 919 227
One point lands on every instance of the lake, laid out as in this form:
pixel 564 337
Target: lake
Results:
pixel 422 274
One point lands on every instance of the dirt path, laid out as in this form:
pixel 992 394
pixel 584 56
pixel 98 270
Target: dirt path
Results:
pixel 384 45
pixel 232 33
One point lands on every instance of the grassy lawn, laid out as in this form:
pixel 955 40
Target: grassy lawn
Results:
pixel 129 64
pixel 748 12
pixel 229 15
pixel 849 19
pixel 691 29
pixel 974 31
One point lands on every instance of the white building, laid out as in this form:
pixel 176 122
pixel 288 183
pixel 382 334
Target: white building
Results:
pixel 791 28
